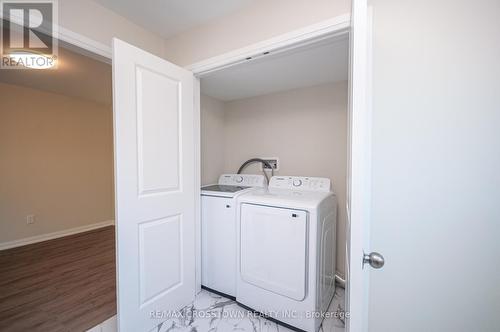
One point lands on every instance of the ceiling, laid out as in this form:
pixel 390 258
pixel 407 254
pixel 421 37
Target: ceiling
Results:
pixel 76 76
pixel 169 17
pixel 322 62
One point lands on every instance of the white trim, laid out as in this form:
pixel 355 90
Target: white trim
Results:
pixel 85 43
pixel 326 29
pixel 359 188
pixel 81 41
pixel 109 325
pixel 54 235
pixel 197 182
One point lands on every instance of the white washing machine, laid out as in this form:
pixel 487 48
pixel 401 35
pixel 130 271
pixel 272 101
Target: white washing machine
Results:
pixel 286 260
pixel 218 229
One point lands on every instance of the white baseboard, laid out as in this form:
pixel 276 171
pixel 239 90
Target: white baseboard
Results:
pixel 54 235
pixel 109 325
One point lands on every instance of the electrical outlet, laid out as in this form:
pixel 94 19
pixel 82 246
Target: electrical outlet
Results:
pixel 274 163
pixel 30 219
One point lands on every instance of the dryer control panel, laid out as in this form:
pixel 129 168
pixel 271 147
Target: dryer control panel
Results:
pixel 244 180
pixel 300 183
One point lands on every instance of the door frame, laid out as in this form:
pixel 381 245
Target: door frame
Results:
pixel 335 26
pixel 359 172
pixel 358 27
pixel 338 26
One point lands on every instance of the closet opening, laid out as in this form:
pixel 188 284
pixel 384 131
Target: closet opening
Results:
pixel 290 108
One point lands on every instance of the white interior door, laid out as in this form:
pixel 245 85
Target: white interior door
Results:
pixel 358 199
pixel 434 165
pixel 154 125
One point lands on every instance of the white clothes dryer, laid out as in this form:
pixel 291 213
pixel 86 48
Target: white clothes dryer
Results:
pixel 286 250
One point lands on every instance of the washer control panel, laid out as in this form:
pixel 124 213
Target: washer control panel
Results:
pixel 244 180
pixel 300 183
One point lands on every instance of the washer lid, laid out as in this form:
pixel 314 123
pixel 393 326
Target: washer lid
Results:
pixel 224 188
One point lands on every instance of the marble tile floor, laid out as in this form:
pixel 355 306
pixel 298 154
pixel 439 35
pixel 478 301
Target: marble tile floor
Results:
pixel 213 313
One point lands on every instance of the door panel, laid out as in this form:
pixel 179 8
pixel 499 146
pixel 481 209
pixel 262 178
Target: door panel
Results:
pixel 163 235
pixel 274 249
pixel 155 188
pixel 158 148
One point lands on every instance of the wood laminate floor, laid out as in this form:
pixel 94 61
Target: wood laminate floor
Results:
pixel 66 284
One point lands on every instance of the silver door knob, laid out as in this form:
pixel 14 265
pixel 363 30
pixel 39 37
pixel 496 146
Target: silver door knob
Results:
pixel 375 260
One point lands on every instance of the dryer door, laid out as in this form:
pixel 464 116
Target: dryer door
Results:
pixel 274 249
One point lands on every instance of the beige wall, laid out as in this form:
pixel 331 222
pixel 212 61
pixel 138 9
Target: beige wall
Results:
pixel 98 23
pixel 56 161
pixel 258 21
pixel 212 139
pixel 305 128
